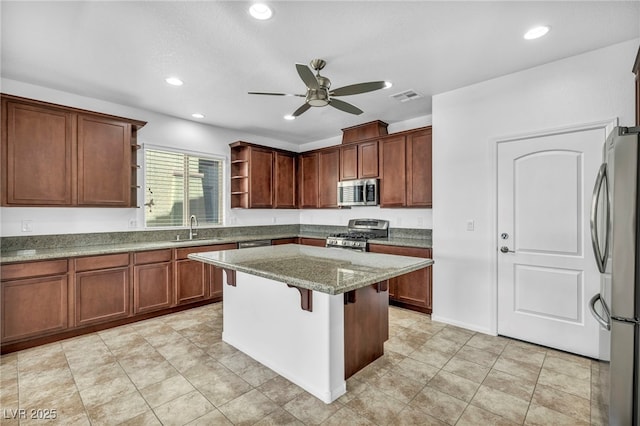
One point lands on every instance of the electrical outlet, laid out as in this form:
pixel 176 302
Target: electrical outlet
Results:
pixel 27 226
pixel 471 225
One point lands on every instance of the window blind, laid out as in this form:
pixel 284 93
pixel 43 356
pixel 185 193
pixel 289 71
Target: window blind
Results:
pixel 179 185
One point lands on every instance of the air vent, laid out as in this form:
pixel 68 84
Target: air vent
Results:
pixel 407 95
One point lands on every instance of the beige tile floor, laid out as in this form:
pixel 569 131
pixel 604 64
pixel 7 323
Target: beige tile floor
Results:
pixel 175 370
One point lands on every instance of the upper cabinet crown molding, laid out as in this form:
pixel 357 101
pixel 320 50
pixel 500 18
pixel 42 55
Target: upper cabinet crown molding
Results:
pixel 53 155
pixel 372 129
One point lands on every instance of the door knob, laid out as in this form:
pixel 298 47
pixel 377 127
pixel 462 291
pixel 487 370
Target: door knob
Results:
pixel 505 249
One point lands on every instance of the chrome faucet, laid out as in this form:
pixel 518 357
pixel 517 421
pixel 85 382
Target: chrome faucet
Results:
pixel 193 221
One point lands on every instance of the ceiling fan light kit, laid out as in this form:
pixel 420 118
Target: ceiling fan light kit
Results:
pixel 318 92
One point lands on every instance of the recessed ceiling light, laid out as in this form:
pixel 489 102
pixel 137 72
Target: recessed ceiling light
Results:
pixel 289 117
pixel 387 84
pixel 260 11
pixel 174 81
pixel 536 32
pixel 197 115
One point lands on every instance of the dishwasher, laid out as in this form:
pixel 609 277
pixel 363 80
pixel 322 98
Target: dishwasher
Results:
pixel 255 243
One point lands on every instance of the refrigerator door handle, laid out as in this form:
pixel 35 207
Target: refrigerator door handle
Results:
pixel 604 322
pixel 601 257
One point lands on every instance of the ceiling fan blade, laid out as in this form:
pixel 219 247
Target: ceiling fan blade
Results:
pixel 307 76
pixel 302 109
pixel 344 106
pixel 355 89
pixel 274 94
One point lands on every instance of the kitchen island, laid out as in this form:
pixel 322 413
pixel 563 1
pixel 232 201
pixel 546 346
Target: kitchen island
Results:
pixel 313 315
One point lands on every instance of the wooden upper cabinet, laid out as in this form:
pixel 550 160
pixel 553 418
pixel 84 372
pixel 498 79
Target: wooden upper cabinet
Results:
pixel 406 167
pixel 393 172
pixel 284 180
pixel 104 162
pixel 419 168
pixel 359 161
pixel 329 175
pixel 319 176
pixel 308 179
pixel 37 146
pixel 260 178
pixel 54 155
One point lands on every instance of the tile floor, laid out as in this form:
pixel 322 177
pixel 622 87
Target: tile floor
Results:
pixel 175 370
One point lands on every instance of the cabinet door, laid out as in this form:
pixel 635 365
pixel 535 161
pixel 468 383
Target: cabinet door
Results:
pixel 318 242
pixel 419 193
pixel 191 281
pixel 349 162
pixel 104 162
pixel 38 152
pixel 368 165
pixel 102 295
pixel 260 178
pixel 393 172
pixel 412 290
pixel 152 287
pixel 33 307
pixel 285 181
pixel 284 241
pixel 328 175
pixel 309 180
pixel 215 282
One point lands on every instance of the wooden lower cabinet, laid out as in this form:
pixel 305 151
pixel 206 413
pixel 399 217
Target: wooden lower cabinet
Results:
pixel 101 289
pixel 34 299
pixel 318 242
pixel 195 280
pixel 366 326
pixel 413 290
pixel 152 281
pixel 284 241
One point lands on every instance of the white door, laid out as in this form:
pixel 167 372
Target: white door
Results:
pixel 549 273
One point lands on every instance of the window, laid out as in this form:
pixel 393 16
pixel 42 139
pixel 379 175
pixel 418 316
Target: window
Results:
pixel 180 185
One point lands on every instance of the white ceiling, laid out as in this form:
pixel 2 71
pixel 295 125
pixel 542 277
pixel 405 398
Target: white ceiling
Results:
pixel 122 52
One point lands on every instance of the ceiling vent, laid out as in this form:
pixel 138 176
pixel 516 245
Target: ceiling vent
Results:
pixel 407 95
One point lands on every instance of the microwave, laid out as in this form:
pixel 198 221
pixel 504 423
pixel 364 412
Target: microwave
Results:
pixel 360 192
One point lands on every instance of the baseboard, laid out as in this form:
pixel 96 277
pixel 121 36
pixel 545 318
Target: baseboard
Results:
pixel 468 326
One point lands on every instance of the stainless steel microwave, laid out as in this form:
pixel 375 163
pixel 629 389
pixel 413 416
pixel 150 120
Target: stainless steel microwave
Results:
pixel 360 192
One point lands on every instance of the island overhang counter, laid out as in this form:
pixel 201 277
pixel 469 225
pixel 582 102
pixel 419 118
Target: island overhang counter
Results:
pixel 336 322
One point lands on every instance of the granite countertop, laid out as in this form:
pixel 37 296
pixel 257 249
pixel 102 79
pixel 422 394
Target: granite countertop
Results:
pixel 60 252
pixel 64 252
pixel 327 270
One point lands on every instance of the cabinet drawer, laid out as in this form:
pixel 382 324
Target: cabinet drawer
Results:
pixel 102 262
pixel 155 256
pixel 401 251
pixel 33 269
pixel 182 253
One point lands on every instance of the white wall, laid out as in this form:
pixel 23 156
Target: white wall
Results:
pixel 165 131
pixel 591 87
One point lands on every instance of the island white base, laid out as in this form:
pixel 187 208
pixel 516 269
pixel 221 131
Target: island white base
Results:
pixel 263 318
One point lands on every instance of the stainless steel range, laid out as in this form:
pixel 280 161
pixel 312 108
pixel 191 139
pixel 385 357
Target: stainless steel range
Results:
pixel 358 232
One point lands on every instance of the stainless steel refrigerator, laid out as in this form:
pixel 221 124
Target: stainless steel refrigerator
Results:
pixel 615 221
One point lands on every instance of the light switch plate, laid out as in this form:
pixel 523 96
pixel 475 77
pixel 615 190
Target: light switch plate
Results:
pixel 471 225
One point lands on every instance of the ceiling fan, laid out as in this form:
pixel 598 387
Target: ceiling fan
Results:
pixel 319 93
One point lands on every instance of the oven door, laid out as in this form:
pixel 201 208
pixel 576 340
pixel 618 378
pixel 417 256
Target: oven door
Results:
pixel 351 193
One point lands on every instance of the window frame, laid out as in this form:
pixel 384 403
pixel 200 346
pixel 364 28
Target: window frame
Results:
pixel 206 156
